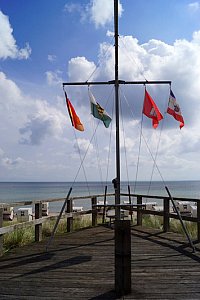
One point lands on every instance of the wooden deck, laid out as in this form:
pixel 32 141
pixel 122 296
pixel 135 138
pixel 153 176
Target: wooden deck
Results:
pixel 80 265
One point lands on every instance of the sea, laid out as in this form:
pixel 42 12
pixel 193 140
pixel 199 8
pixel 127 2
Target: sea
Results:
pixel 11 192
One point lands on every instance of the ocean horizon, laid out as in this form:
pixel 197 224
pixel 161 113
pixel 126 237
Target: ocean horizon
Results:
pixel 11 192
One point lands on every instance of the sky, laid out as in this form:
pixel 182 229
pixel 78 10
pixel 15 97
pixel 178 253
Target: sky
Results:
pixel 45 43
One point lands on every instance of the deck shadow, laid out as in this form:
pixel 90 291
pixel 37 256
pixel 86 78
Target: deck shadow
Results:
pixel 164 242
pixel 108 295
pixel 61 264
pixel 31 259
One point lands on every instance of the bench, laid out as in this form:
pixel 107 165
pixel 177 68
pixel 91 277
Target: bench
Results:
pixel 110 214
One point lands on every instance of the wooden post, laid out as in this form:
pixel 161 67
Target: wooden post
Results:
pixel 198 220
pixel 122 257
pixel 129 197
pixel 1 235
pixel 166 224
pixel 38 227
pixel 94 211
pixel 104 202
pixel 69 219
pixel 139 213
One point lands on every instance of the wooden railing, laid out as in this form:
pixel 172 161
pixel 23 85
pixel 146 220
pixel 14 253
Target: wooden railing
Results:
pixel 69 214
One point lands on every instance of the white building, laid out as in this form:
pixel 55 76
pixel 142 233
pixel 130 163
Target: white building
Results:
pixel 45 208
pixel 24 214
pixel 8 213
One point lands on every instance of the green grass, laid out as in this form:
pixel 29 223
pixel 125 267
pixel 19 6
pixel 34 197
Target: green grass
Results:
pixel 23 236
pixel 175 225
pixel 18 238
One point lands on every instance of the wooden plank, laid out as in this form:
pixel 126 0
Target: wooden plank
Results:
pixel 80 265
pixel 1 236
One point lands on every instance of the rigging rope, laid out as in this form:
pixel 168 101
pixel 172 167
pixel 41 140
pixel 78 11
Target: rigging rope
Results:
pixel 97 148
pixel 156 154
pixel 109 148
pixel 146 143
pixel 123 131
pixel 97 66
pixel 97 152
pixel 82 159
pixel 79 151
pixel 139 151
pixel 131 58
pixel 158 144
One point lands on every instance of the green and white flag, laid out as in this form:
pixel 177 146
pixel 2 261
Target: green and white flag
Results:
pixel 99 112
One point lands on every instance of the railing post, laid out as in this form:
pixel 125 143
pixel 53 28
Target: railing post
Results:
pixel 166 224
pixel 1 235
pixel 38 227
pixel 94 211
pixel 69 219
pixel 198 220
pixel 139 211
pixel 122 257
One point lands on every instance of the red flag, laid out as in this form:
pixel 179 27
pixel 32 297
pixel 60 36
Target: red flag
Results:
pixel 73 116
pixel 174 109
pixel 151 110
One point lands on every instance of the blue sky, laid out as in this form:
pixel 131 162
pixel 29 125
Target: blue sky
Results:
pixel 44 43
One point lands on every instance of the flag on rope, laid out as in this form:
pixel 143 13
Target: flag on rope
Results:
pixel 174 109
pixel 99 112
pixel 151 110
pixel 73 116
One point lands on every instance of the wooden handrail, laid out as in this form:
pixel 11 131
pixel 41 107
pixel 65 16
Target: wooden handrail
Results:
pixel 139 209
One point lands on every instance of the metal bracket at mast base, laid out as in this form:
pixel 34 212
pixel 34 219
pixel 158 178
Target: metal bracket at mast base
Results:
pixel 118 82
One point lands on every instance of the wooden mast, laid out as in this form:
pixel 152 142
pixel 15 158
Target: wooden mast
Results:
pixel 117 190
pixel 116 82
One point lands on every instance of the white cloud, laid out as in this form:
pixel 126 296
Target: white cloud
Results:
pixel 155 60
pixel 8 162
pixel 80 68
pixel 46 122
pixel 34 119
pixel 100 17
pixel 51 57
pixel 194 6
pixel 7 85
pixel 82 146
pixel 72 7
pixel 8 46
pixel 27 121
pixel 94 12
pixel 157 47
pixel 53 78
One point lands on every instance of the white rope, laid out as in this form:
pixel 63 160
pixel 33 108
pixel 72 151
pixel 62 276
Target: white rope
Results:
pixel 139 151
pixel 142 136
pixel 82 165
pixel 124 140
pixel 97 66
pixel 131 58
pixel 97 148
pixel 109 148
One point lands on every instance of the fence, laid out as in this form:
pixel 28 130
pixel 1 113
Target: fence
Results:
pixel 140 209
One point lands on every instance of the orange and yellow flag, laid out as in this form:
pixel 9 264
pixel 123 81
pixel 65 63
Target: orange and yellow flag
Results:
pixel 73 116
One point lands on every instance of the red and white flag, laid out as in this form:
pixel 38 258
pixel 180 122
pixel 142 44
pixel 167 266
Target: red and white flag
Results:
pixel 174 109
pixel 151 110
